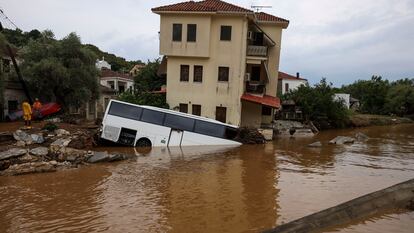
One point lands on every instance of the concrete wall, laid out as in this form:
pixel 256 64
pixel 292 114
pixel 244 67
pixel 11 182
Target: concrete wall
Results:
pixel 275 32
pixel 293 85
pixel 200 48
pixel 251 114
pixel 211 93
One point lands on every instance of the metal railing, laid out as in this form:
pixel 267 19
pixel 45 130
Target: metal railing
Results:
pixel 255 88
pixel 256 50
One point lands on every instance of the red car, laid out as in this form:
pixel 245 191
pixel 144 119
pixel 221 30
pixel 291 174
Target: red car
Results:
pixel 46 110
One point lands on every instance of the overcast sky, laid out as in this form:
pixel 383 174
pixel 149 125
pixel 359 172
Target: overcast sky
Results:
pixel 342 40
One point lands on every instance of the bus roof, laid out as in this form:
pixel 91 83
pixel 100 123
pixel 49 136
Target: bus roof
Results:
pixel 176 113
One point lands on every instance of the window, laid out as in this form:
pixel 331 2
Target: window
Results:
pixel 177 32
pixel 225 33
pixel 286 87
pixel 125 110
pixel 221 114
pixel 231 133
pixel 153 117
pixel 121 88
pixel 198 74
pixel 223 74
pixel 211 129
pixel 191 32
pixel 12 105
pixel 184 108
pixel 111 84
pixel 179 122
pixel 196 109
pixel 184 73
pixel 266 111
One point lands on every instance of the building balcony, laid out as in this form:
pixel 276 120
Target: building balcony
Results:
pixel 257 88
pixel 257 51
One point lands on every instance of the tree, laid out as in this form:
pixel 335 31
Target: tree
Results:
pixel 146 82
pixel 372 94
pixel 60 70
pixel 400 98
pixel 318 104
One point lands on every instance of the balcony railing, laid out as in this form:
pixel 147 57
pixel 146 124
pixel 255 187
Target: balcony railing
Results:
pixel 255 50
pixel 255 88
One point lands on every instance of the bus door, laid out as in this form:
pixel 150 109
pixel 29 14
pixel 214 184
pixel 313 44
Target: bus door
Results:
pixel 175 137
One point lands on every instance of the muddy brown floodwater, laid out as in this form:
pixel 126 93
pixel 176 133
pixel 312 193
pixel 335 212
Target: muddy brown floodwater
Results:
pixel 209 189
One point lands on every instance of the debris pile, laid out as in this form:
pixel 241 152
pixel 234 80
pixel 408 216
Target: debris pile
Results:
pixel 250 136
pixel 49 150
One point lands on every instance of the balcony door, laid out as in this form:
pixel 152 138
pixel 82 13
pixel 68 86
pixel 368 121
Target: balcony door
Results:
pixel 255 76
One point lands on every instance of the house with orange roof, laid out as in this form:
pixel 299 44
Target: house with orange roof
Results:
pixel 222 60
pixel 289 82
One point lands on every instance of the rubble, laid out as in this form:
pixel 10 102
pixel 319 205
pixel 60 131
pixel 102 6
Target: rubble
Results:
pixel 65 150
pixel 341 140
pixel 11 153
pixel 267 134
pixel 250 136
pixel 61 132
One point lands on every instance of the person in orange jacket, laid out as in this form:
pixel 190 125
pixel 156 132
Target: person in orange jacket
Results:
pixel 37 105
pixel 27 113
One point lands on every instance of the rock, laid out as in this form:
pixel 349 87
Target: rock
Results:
pixel 72 155
pixel 304 133
pixel 39 151
pixel 20 144
pixel 361 137
pixel 61 132
pixel 315 144
pixel 59 144
pixel 340 140
pixel 12 153
pixel 116 157
pixel 27 158
pixel 20 135
pixel 54 120
pixel 99 157
pixel 27 168
pixel 37 138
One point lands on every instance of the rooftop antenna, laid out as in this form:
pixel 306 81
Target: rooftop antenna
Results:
pixel 258 8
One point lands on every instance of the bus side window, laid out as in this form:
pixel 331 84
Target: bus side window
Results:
pixel 152 117
pixel 211 129
pixel 125 110
pixel 178 122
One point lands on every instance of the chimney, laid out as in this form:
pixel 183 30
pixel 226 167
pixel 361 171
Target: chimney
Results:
pixel 297 75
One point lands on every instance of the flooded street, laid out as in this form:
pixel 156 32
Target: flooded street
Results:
pixel 198 189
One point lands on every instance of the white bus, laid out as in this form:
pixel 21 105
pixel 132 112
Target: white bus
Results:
pixel 144 126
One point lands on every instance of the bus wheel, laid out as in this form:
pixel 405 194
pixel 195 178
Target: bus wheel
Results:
pixel 143 142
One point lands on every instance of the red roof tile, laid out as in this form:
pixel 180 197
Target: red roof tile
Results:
pixel 266 100
pixel 286 76
pixel 110 73
pixel 261 16
pixel 203 6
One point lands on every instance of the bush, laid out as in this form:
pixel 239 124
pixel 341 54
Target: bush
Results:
pixel 50 127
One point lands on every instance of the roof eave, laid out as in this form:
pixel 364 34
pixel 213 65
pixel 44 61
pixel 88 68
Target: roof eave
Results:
pixel 284 25
pixel 185 12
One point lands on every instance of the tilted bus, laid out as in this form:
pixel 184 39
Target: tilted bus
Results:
pixel 142 126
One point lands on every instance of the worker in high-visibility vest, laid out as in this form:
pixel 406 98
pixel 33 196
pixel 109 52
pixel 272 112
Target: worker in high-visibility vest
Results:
pixel 37 105
pixel 27 114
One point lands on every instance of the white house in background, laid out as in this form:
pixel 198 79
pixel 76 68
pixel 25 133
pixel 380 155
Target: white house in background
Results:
pixel 102 64
pixel 287 82
pixel 345 98
pixel 120 82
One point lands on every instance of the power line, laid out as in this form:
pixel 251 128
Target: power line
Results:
pixel 7 18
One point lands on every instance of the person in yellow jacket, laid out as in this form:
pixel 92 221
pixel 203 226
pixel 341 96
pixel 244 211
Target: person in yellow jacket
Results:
pixel 27 113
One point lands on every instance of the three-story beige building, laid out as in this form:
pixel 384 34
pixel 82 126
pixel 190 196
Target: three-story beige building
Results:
pixel 222 60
